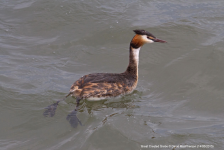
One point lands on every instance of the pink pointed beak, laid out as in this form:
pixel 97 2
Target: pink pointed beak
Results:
pixel 158 40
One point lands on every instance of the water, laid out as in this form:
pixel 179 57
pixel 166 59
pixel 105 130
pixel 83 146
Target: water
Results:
pixel 47 45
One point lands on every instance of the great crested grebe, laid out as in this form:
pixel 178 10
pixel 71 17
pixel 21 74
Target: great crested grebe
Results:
pixel 98 86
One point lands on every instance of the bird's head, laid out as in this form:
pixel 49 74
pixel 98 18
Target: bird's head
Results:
pixel 142 37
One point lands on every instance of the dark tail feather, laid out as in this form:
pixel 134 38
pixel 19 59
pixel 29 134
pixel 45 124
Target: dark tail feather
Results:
pixel 50 110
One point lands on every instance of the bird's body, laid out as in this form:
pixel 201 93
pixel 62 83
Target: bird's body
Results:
pixel 98 86
pixel 105 85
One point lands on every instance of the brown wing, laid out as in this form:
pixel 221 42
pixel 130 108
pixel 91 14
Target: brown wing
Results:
pixel 102 85
pixel 102 90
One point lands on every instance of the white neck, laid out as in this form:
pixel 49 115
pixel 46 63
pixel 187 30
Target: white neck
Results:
pixel 133 62
pixel 136 54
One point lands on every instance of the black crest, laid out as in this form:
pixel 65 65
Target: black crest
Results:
pixel 143 32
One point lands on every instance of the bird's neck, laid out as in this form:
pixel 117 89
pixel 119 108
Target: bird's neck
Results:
pixel 133 62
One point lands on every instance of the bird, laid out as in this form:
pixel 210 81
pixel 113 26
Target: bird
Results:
pixel 98 86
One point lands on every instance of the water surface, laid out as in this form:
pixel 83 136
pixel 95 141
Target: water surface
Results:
pixel 47 45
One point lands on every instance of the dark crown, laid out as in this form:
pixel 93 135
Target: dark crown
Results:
pixel 143 32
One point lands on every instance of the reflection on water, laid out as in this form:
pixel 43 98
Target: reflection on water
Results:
pixel 47 45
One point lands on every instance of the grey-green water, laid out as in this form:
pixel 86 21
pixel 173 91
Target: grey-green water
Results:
pixel 46 45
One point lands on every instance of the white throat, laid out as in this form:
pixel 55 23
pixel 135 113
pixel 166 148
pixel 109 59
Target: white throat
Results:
pixel 136 54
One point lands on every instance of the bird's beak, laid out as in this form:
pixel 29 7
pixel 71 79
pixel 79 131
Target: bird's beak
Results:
pixel 158 40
